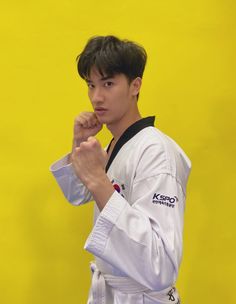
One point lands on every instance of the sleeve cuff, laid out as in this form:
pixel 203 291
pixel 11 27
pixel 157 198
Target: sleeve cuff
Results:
pixel 61 167
pixel 113 208
pixel 97 239
pixel 62 162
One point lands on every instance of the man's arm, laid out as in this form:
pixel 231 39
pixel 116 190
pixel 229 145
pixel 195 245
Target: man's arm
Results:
pixel 89 162
pixel 85 125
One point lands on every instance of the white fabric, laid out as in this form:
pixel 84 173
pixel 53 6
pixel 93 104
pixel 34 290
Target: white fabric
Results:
pixel 138 234
pixel 126 286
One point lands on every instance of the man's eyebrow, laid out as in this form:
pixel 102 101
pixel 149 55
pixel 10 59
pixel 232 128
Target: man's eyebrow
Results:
pixel 106 77
pixel 103 78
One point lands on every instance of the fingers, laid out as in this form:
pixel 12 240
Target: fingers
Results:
pixel 90 145
pixel 86 124
pixel 89 154
pixel 87 120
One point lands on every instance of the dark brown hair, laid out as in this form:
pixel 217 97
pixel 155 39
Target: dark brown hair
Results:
pixel 111 56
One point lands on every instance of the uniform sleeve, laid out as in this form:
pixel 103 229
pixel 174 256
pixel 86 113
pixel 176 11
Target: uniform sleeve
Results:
pixel 73 189
pixel 143 239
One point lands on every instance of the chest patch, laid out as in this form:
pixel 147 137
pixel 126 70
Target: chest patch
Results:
pixel 119 187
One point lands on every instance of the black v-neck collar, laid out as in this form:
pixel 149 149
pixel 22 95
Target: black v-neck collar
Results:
pixel 130 132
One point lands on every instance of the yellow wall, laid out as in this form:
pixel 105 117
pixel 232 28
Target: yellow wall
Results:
pixel 189 84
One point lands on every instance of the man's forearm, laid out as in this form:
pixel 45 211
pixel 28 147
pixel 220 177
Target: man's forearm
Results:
pixel 101 189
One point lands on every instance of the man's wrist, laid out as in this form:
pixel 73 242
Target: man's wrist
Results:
pixel 101 189
pixel 76 143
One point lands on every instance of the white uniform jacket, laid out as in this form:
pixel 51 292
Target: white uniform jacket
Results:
pixel 137 237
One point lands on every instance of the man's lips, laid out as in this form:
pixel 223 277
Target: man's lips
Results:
pixel 100 110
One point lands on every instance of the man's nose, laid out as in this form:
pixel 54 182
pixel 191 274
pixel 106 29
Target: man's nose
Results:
pixel 97 95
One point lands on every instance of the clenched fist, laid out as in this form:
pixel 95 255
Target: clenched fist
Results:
pixel 89 162
pixel 86 124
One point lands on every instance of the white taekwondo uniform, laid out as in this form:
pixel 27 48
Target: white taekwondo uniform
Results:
pixel 137 237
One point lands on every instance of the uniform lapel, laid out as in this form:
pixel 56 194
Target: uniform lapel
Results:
pixel 130 132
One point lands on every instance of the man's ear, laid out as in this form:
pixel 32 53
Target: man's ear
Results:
pixel 136 85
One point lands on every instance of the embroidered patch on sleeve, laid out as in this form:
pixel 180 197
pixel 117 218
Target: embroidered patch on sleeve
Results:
pixel 169 201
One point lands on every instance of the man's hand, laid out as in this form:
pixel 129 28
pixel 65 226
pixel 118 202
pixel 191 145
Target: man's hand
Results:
pixel 86 124
pixel 89 162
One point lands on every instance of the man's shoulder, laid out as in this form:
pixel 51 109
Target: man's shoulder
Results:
pixel 151 136
pixel 158 150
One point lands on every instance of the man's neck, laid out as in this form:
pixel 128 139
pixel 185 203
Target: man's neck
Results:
pixel 117 129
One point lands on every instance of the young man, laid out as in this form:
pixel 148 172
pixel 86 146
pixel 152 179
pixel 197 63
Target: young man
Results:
pixel 138 182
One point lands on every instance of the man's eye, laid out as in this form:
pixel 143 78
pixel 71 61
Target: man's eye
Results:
pixel 90 85
pixel 108 84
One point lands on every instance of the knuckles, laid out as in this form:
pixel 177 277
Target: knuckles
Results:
pixel 91 143
pixel 92 140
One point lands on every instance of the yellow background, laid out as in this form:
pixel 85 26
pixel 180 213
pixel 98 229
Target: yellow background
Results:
pixel 189 84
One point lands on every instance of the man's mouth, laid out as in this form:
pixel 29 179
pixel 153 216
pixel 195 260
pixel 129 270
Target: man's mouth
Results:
pixel 100 110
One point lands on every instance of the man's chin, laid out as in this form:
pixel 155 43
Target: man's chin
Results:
pixel 104 120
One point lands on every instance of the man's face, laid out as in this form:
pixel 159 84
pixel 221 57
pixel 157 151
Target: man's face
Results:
pixel 112 98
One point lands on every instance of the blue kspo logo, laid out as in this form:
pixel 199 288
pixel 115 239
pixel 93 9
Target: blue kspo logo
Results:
pixel 164 200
